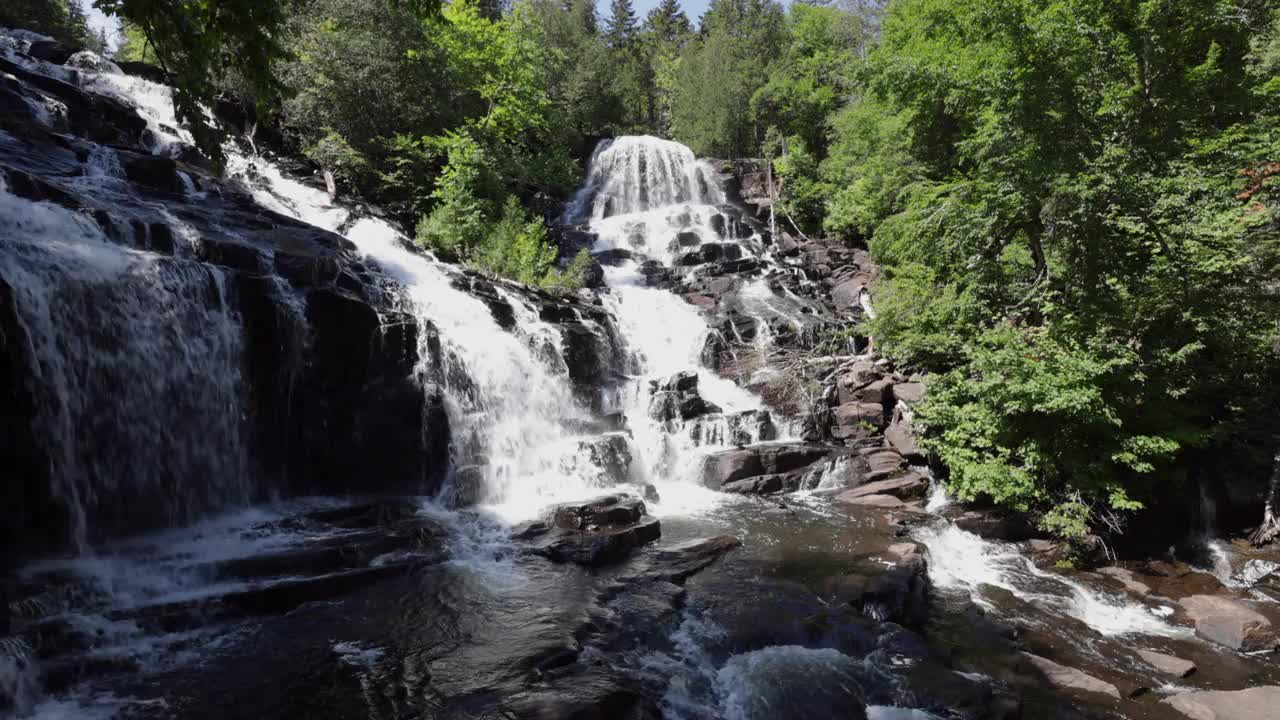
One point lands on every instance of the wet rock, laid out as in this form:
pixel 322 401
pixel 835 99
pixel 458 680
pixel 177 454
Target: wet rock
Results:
pixel 595 533
pixel 883 463
pixel 767 459
pixel 614 256
pixel 60 675
pixel 1228 622
pixel 587 365
pixel 880 501
pixel 678 563
pixel 1259 703
pixel 160 173
pixel 1254 571
pixel 900 594
pixel 771 484
pixel 994 526
pixel 611 454
pixel 677 398
pixel 1125 577
pixel 1167 664
pixel 911 486
pixel 467 486
pixel 50 51
pixel 687 239
pixel 288 594
pixel 710 253
pixel 655 273
pixel 742 428
pixel 1067 678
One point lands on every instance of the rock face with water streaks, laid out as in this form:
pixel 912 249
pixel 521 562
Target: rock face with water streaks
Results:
pixel 292 357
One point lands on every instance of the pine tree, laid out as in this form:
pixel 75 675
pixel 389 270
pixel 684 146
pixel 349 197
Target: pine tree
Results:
pixel 620 29
pixel 668 22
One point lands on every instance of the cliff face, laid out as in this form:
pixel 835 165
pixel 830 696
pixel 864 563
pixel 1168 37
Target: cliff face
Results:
pixel 169 345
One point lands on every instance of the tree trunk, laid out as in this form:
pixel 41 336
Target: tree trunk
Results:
pixel 1270 528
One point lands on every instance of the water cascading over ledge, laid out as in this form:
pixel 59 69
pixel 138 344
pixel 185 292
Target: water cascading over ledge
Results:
pixel 169 347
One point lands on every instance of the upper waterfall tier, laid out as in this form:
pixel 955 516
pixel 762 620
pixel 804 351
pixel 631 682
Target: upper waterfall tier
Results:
pixel 637 173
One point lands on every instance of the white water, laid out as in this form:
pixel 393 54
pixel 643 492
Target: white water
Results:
pixel 960 561
pixel 143 371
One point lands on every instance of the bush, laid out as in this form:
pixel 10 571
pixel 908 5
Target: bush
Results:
pixel 515 247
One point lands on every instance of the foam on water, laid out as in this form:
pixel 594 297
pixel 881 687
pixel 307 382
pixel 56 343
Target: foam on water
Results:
pixel 962 561
pixel 787 680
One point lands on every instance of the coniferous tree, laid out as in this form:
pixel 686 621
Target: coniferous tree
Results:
pixel 668 22
pixel 620 28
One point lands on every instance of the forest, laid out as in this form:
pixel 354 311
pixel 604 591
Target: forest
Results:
pixel 1072 202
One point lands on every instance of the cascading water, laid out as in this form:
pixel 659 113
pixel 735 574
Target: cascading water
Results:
pixel 960 561
pixel 653 198
pixel 139 356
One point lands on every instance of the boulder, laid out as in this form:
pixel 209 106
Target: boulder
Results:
pixel 614 256
pixel 728 466
pixel 677 397
pixel 848 295
pixel 911 486
pixel 609 454
pixel 879 391
pixel 1067 678
pixel 686 239
pixel 764 484
pixel 994 526
pixel 50 51
pixel 900 594
pixel 1258 703
pixel 1232 623
pixel 909 392
pixel 869 416
pixel 882 463
pixel 598 532
pixel 160 173
pixel 901 437
pixel 709 253
pixel 1125 577
pixel 1167 664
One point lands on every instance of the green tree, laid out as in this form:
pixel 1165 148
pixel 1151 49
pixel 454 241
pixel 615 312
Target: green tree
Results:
pixel 668 23
pixel 621 27
pixel 1054 190
pixel 63 20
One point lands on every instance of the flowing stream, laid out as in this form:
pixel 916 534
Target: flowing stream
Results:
pixel 105 317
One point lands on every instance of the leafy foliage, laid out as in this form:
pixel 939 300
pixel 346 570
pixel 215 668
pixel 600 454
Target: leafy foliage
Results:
pixel 63 20
pixel 1055 191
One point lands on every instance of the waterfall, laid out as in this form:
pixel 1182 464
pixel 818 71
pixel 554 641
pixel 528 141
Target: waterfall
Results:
pixel 653 197
pixel 635 174
pixel 138 361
